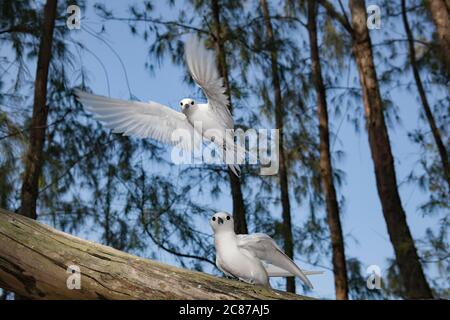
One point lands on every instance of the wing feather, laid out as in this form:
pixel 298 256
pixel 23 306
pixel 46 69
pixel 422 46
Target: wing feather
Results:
pixel 266 249
pixel 274 271
pixel 139 119
pixel 202 67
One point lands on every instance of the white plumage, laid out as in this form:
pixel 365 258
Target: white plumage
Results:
pixel 159 122
pixel 252 258
pixel 202 66
pixel 138 119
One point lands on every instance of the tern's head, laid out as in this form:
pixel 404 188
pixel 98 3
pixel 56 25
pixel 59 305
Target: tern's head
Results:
pixel 186 104
pixel 222 221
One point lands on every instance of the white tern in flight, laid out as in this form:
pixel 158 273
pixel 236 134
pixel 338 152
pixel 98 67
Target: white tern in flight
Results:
pixel 157 121
pixel 251 258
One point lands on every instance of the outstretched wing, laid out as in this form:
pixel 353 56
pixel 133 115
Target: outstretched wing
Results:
pixel 140 119
pixel 265 248
pixel 203 69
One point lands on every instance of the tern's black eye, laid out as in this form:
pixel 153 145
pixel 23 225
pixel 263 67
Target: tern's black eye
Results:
pixel 228 217
pixel 192 102
pixel 213 219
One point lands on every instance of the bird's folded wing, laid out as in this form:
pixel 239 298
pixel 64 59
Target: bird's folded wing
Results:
pixel 274 271
pixel 140 119
pixel 265 248
pixel 203 69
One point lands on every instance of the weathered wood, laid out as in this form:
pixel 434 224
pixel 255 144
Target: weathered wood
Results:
pixel 34 259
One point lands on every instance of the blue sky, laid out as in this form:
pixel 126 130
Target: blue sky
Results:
pixel 362 216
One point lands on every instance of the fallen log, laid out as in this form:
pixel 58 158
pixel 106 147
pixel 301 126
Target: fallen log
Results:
pixel 39 262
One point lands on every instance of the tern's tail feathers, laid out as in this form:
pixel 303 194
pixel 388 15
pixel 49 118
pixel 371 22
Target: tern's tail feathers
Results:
pixel 274 271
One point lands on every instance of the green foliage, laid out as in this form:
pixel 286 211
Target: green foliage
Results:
pixel 125 193
pixel 356 277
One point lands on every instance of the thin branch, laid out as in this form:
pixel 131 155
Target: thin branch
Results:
pixel 92 33
pixel 17 132
pixel 336 15
pixel 152 237
pixel 171 251
pixel 344 13
pixel 99 61
pixel 274 17
pixel 19 29
pixel 158 21
pixel 74 163
pixel 390 41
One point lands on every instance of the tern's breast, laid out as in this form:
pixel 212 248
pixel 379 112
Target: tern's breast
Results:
pixel 205 123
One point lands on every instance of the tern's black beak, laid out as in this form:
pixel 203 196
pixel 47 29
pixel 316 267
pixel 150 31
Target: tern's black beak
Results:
pixel 220 220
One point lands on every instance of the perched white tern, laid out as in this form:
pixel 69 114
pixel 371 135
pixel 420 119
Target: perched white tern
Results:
pixel 251 258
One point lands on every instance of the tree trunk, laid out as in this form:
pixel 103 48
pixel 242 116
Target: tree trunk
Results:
pixel 423 97
pixel 34 155
pixel 279 122
pixel 440 13
pixel 34 260
pixel 405 251
pixel 240 222
pixel 326 170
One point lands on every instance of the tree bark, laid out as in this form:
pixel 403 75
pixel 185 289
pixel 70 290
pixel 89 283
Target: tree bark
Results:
pixel 34 260
pixel 440 12
pixel 239 216
pixel 34 155
pixel 423 96
pixel 326 169
pixel 279 122
pixel 405 251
